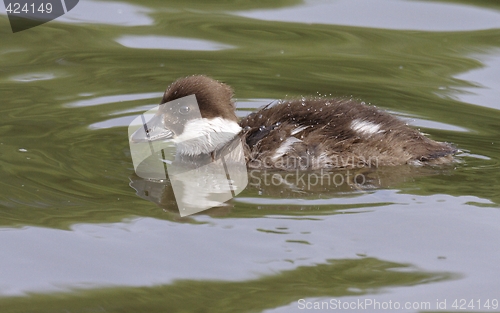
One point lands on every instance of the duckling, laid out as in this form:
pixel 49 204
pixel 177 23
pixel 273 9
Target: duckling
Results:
pixel 301 134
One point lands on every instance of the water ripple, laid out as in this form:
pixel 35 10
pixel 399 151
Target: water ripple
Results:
pixel 170 43
pixel 388 14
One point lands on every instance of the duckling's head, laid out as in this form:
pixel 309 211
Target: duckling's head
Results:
pixel 214 98
pixel 197 124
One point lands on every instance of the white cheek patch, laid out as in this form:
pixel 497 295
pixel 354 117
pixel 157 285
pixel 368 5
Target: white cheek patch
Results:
pixel 202 135
pixel 365 128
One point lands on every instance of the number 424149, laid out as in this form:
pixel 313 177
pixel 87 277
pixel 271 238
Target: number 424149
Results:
pixel 15 8
pixel 462 304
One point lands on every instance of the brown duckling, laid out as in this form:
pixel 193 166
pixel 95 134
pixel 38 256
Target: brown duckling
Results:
pixel 308 133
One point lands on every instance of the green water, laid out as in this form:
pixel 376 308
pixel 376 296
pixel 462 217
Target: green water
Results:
pixel 75 236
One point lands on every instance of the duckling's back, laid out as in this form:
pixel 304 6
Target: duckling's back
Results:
pixel 320 133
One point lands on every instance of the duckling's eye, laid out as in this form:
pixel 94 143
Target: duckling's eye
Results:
pixel 184 110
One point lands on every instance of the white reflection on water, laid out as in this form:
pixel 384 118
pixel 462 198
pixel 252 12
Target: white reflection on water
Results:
pixel 170 43
pixel 487 79
pixel 435 233
pixel 32 77
pixel 390 14
pixel 113 122
pixel 113 99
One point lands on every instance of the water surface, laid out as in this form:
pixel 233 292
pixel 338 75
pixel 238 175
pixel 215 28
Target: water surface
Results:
pixel 76 237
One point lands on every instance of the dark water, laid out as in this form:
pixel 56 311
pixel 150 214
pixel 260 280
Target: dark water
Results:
pixel 75 237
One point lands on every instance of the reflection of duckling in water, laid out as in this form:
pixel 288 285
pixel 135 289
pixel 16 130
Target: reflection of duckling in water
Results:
pixel 294 185
pixel 161 193
pixel 302 134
